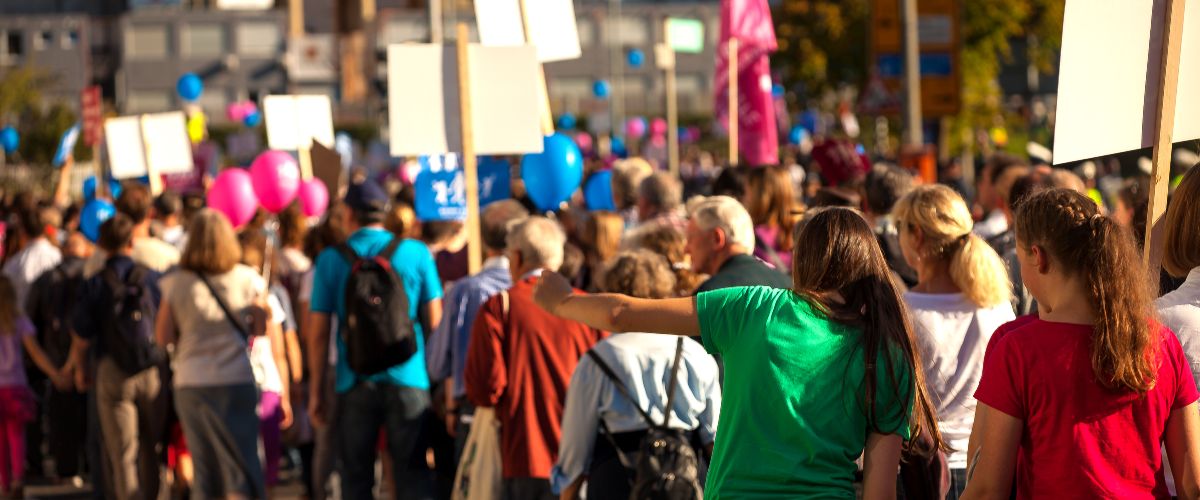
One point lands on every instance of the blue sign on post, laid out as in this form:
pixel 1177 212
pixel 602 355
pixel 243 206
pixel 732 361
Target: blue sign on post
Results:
pixel 495 180
pixel 441 187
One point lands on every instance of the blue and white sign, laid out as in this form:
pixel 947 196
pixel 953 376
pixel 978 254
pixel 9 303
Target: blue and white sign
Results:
pixel 441 188
pixel 495 180
pixel 66 145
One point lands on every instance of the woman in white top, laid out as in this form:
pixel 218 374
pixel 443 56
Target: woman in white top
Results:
pixel 961 297
pixel 215 394
pixel 597 415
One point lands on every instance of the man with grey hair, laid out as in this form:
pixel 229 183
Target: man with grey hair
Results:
pixel 658 205
pixel 720 241
pixel 520 360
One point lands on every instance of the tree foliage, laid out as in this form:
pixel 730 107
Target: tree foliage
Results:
pixel 822 43
pixel 39 122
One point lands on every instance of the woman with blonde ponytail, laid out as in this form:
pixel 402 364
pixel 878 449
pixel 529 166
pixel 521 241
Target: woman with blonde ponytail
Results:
pixel 961 297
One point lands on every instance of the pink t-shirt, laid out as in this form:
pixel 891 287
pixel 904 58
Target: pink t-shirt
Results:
pixel 1081 440
pixel 12 365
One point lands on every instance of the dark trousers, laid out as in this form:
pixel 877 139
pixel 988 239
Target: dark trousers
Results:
pixel 362 412
pixel 527 488
pixel 67 413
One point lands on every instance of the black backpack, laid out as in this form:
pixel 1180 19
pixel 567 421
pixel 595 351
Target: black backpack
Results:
pixel 377 330
pixel 128 328
pixel 666 466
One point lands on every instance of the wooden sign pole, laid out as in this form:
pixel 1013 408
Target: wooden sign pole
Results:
pixel 543 92
pixel 733 101
pixel 1163 129
pixel 470 171
pixel 672 104
pixel 156 184
pixel 101 179
pixel 305 154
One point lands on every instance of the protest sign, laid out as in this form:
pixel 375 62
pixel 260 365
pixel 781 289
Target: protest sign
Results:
pixel 148 145
pixel 295 121
pixel 66 145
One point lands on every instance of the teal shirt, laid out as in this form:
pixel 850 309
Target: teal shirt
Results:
pixel 413 262
pixel 792 419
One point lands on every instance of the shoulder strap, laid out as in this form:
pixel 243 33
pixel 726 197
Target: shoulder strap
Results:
pixel 608 372
pixel 771 254
pixel 347 253
pixel 391 247
pixel 237 325
pixel 115 285
pixel 673 384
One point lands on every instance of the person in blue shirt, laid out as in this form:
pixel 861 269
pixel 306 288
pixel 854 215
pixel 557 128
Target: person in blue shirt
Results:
pixel 447 352
pixel 397 398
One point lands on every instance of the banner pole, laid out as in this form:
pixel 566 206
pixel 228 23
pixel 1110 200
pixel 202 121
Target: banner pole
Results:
pixel 1163 128
pixel 672 105
pixel 732 68
pixel 470 170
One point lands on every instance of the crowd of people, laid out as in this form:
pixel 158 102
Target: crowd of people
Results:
pixel 840 330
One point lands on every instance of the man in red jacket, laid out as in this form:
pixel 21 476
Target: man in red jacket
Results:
pixel 520 360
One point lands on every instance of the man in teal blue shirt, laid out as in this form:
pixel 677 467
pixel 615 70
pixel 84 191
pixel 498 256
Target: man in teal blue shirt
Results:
pixel 397 397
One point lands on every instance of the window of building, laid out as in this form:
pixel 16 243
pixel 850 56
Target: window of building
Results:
pixel 14 44
pixel 587 32
pixel 148 101
pixel 259 39
pixel 70 39
pixel 43 40
pixel 204 40
pixel 633 31
pixel 147 42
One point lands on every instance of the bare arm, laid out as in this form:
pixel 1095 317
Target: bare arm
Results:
pixel 78 359
pixel 880 460
pixel 62 193
pixel 571 492
pixel 1183 450
pixel 40 359
pixel 617 313
pixel 431 315
pixel 279 352
pixel 295 359
pixel 994 461
pixel 164 325
pixel 318 354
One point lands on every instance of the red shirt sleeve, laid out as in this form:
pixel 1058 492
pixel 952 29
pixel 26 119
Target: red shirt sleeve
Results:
pixel 1185 383
pixel 1001 386
pixel 485 375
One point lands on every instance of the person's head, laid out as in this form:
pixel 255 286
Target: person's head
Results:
pixel 1003 186
pixel 627 175
pixel 995 166
pixel 254 251
pixel 401 220
pixel 368 204
pixel 1182 252
pixel 77 245
pixel 167 207
pixel 572 263
pixel 436 233
pixel 718 228
pixel 116 235
pixel 671 243
pixel 771 201
pixel 135 201
pixel 1131 200
pixel 9 312
pixel 658 194
pixel 884 186
pixel 534 243
pixel 212 246
pixel 1066 248
pixel 935 236
pixel 292 227
pixel 840 163
pixel 494 221
pixel 641 273
pixel 36 221
pixel 730 182
pixel 842 273
pixel 601 235
pixel 330 232
pixel 1066 179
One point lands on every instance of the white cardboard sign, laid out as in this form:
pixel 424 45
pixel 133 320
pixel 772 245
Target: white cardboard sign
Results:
pixel 552 27
pixel 295 121
pixel 137 144
pixel 424 117
pixel 1109 74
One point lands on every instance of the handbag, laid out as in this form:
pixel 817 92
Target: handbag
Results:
pixel 480 470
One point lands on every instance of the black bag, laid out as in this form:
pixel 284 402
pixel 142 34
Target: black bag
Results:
pixel 377 330
pixel 128 328
pixel 666 467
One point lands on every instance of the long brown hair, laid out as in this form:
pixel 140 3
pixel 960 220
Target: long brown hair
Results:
pixel 1071 229
pixel 9 312
pixel 771 201
pixel 841 256
pixel 602 235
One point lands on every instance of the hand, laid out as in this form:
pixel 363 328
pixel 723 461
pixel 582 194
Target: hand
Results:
pixel 451 419
pixel 286 406
pixel 316 409
pixel 62 380
pixel 552 289
pixel 81 381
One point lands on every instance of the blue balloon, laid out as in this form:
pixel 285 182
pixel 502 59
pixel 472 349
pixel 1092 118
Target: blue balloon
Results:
pixel 635 58
pixel 597 191
pixel 566 121
pixel 797 134
pixel 617 146
pixel 189 87
pixel 9 139
pixel 554 174
pixel 94 213
pixel 252 119
pixel 777 90
pixel 89 188
pixel 601 89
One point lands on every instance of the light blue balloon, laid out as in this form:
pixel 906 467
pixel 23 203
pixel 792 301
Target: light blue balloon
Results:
pixel 9 139
pixel 601 89
pixel 566 121
pixel 617 146
pixel 189 87
pixel 89 188
pixel 554 174
pixel 797 134
pixel 597 191
pixel 635 58
pixel 94 214
pixel 252 119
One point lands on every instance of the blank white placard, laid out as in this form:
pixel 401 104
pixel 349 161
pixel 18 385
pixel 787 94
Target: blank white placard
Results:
pixel 167 146
pixel 295 121
pixel 123 138
pixel 552 27
pixel 499 23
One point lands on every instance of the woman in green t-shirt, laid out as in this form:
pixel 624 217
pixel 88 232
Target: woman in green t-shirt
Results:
pixel 800 400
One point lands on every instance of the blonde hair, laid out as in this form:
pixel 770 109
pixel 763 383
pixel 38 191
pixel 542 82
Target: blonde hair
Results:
pixel 8 306
pixel 212 246
pixel 1182 252
pixel 945 221
pixel 602 231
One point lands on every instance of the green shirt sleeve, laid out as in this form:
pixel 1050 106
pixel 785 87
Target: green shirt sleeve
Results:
pixel 894 396
pixel 722 313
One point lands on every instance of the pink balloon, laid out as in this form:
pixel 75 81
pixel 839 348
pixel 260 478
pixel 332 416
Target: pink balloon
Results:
pixel 584 141
pixel 314 197
pixel 635 127
pixel 658 140
pixel 232 194
pixel 658 126
pixel 276 180
pixel 234 112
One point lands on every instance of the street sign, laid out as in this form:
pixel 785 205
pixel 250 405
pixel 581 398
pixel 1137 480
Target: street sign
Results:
pixel 938 29
pixel 92 116
pixel 686 35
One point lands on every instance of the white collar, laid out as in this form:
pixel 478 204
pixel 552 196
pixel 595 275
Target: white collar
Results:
pixel 534 273
pixel 497 262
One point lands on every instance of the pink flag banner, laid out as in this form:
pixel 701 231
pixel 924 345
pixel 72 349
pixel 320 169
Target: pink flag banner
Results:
pixel 750 22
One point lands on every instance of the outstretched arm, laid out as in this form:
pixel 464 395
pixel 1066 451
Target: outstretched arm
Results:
pixel 617 313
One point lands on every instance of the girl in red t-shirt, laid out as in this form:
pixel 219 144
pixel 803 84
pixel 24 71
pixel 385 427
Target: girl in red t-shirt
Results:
pixel 1076 401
